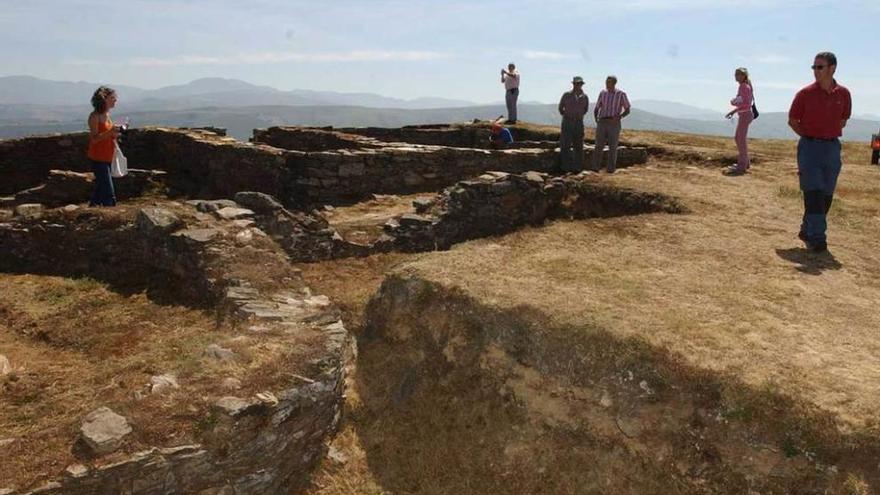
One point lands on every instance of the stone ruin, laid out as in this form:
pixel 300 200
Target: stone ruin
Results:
pixel 215 198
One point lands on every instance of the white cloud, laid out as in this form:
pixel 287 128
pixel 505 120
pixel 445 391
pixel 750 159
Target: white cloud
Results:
pixel 543 55
pixel 281 57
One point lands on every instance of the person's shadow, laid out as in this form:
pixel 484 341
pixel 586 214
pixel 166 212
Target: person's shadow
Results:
pixel 808 261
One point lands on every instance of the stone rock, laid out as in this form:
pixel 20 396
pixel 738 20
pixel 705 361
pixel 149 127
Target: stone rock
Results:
pixel 199 236
pixel 351 169
pixel 157 221
pixel 243 223
pixel 163 383
pixel 69 208
pixel 76 471
pixel 267 398
pixel 103 431
pixel 5 367
pixel 535 177
pixel 233 213
pixel 232 405
pixel 244 237
pixel 208 206
pixel 336 455
pixel 220 353
pixel 29 211
pixel 257 201
pixel 411 219
pixel 231 383
pixel 7 491
pixel 422 205
pixel 6 441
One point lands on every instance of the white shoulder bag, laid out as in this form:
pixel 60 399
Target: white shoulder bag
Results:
pixel 119 165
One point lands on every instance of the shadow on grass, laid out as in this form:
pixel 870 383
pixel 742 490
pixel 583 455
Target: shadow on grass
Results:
pixel 808 261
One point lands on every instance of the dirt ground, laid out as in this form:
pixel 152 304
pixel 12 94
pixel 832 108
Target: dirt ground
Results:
pixel 727 288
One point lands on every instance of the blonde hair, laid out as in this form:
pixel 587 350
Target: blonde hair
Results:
pixel 744 72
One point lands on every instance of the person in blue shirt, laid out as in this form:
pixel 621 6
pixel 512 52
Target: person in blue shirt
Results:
pixel 501 136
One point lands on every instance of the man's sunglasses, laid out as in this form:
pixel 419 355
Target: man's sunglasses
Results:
pixel 818 67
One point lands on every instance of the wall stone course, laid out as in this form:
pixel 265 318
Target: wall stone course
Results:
pixel 270 449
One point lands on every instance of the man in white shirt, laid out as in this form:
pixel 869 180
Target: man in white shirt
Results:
pixel 510 78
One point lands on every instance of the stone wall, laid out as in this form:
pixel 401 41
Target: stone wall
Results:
pixel 24 163
pixel 259 443
pixel 63 187
pixel 497 203
pixel 203 164
pixel 456 135
pixel 312 139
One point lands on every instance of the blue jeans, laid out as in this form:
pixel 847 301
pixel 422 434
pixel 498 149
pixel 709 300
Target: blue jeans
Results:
pixel 103 195
pixel 818 167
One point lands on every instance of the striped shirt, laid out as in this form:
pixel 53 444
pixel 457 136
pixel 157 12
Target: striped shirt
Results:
pixel 611 103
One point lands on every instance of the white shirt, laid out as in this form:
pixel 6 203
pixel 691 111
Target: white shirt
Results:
pixel 512 81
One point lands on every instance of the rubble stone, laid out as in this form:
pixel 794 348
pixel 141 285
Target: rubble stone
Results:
pixel 103 431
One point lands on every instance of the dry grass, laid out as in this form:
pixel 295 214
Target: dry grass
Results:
pixel 362 222
pixel 726 288
pixel 75 345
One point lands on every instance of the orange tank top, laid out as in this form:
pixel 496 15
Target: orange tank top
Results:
pixel 102 151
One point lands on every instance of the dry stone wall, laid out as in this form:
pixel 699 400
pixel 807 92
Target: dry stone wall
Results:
pixel 496 203
pixel 204 164
pixel 257 443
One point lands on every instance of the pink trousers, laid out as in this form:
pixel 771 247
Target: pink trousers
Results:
pixel 741 138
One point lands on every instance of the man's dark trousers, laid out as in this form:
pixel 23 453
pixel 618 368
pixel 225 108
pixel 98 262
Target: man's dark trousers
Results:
pixel 571 145
pixel 818 167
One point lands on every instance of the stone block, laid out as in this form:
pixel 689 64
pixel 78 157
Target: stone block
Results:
pixel 152 221
pixel 219 353
pixel 257 201
pixel 103 431
pixel 233 213
pixel 351 169
pixel 209 206
pixel 199 236
pixel 163 383
pixel 30 211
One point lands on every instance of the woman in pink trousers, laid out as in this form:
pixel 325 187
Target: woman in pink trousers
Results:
pixel 743 110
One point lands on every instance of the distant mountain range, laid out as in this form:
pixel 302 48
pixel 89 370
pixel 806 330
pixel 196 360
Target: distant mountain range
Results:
pixel 31 106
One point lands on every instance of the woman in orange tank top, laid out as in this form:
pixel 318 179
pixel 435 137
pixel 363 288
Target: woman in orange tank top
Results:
pixel 102 145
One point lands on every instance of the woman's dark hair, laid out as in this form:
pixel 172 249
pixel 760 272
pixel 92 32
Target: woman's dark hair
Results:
pixel 99 98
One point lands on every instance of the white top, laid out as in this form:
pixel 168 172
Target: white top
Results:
pixel 512 81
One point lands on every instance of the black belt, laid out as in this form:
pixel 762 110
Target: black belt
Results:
pixel 824 140
pixel 512 89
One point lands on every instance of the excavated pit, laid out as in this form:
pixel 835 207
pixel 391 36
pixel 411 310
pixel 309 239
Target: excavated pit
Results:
pixel 256 359
pixel 462 397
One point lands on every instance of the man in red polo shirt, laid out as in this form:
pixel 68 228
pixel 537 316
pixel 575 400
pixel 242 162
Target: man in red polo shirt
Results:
pixel 818 114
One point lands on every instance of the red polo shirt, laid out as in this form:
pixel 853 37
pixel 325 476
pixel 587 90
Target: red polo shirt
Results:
pixel 820 111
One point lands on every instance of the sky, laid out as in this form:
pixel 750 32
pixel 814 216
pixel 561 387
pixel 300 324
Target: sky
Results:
pixel 676 50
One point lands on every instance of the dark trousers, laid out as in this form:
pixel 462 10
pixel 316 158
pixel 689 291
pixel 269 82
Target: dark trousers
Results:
pixel 103 195
pixel 819 165
pixel 571 145
pixel 510 98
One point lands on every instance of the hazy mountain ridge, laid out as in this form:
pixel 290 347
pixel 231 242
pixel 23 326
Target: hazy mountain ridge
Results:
pixel 31 106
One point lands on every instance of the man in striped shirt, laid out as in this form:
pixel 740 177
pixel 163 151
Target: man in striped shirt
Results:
pixel 612 105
